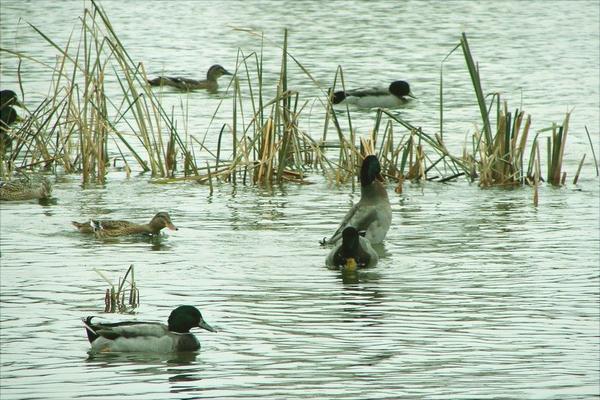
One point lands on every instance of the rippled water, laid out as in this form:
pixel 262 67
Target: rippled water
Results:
pixel 478 294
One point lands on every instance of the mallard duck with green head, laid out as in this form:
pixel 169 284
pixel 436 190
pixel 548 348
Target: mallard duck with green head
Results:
pixel 8 116
pixel 373 212
pixel 395 95
pixel 26 187
pixel 210 83
pixel 113 228
pixel 147 337
pixel 353 252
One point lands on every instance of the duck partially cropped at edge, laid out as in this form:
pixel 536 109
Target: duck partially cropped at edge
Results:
pixel 26 187
pixel 111 228
pixel 395 95
pixel 353 252
pixel 8 116
pixel 148 337
pixel 373 212
pixel 210 83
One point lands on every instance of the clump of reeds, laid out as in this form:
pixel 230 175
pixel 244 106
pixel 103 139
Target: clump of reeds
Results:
pixel 73 127
pixel 114 297
pixel 413 157
pixel 498 157
pixel 78 124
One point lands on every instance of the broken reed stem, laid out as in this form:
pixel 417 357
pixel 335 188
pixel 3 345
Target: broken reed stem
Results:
pixel 578 170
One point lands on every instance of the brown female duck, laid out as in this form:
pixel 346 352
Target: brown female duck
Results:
pixel 25 188
pixel 210 83
pixel 110 228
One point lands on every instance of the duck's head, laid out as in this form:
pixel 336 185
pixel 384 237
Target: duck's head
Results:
pixel 215 72
pixel 338 97
pixel 350 243
pixel 184 318
pixel 8 116
pixel 162 220
pixel 9 98
pixel 400 89
pixel 370 170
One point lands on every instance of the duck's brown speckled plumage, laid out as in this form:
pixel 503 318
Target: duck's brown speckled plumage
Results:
pixel 111 228
pixel 27 187
pixel 210 83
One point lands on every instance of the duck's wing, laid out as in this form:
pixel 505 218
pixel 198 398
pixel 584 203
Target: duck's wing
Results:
pixel 367 255
pixel 109 224
pixel 333 259
pixel 129 329
pixel 181 81
pixel 177 82
pixel 370 91
pixel 359 216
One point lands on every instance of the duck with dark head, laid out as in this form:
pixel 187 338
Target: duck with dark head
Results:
pixel 210 83
pixel 395 95
pixel 8 116
pixel 373 212
pixel 147 337
pixel 353 252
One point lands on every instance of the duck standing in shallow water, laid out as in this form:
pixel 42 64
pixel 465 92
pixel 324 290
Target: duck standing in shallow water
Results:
pixel 373 213
pixel 149 337
pixel 109 228
pixel 395 95
pixel 353 252
pixel 210 83
pixel 27 187
pixel 8 116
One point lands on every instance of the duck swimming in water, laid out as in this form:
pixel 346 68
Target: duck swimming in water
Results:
pixel 393 96
pixel 8 116
pixel 210 83
pixel 26 187
pixel 373 213
pixel 148 337
pixel 110 228
pixel 353 252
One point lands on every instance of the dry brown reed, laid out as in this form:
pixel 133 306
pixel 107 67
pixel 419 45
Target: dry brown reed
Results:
pixel 114 297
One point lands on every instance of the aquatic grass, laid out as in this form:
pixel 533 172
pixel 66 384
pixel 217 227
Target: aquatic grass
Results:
pixel 498 158
pixel 74 126
pixel 593 152
pixel 114 296
pixel 91 116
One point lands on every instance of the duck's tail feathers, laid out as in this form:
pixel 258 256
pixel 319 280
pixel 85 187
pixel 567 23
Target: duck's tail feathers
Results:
pixel 89 330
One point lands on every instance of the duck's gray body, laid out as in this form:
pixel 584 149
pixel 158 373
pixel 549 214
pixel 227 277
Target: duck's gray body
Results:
pixel 151 337
pixel 373 212
pixel 352 247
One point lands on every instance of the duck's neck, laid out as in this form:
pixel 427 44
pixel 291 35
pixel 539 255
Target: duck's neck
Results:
pixel 151 229
pixel 373 190
pixel 211 77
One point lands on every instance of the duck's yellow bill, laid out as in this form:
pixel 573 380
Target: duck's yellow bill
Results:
pixel 351 264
